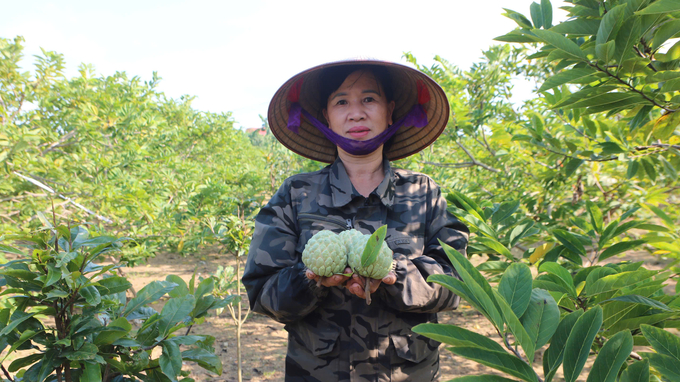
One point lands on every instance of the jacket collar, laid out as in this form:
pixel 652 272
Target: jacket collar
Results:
pixel 343 191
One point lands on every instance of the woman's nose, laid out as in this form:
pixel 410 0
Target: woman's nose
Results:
pixel 356 112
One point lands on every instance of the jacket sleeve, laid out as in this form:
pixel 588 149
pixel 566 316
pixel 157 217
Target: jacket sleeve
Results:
pixel 274 276
pixel 411 292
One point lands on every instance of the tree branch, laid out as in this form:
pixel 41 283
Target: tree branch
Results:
pixel 474 161
pixel 631 87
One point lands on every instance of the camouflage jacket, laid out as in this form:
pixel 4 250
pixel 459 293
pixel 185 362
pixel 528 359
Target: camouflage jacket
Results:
pixel 332 334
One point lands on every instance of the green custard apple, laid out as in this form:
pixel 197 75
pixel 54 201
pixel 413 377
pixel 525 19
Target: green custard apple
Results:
pixel 325 254
pixel 382 265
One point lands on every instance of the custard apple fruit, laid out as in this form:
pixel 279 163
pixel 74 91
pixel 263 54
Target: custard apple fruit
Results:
pixel 382 265
pixel 325 254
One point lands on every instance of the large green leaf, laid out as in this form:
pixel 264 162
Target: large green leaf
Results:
pixel 662 341
pixel 618 281
pixel 666 365
pixel 16 319
pixel 150 293
pixel 24 361
pixel 516 328
pixel 637 299
pixel 113 285
pixel 628 36
pixel 611 357
pixel 553 356
pixel 504 211
pixel 458 287
pixel 610 23
pixel 515 287
pixel 560 42
pixel 477 284
pixel 372 249
pixel 536 15
pixel 637 372
pixel 502 361
pixel 495 246
pixel 175 310
pixel 595 216
pixel 620 247
pixel 546 9
pixel 567 77
pixel 660 7
pixel 204 358
pixel 170 360
pixel 181 289
pixel 114 331
pixel 579 342
pixel 541 317
pixel 563 276
pixel 91 295
pixel 456 336
pixel 578 27
pixel 664 32
pixel 91 372
pixel 569 241
pixel 25 336
pixel 10 250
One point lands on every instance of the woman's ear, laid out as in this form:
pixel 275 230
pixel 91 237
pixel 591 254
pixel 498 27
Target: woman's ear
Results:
pixel 325 113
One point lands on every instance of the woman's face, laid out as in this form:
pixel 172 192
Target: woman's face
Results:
pixel 358 109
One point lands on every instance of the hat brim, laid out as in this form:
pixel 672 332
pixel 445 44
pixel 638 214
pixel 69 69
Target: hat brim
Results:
pixel 311 143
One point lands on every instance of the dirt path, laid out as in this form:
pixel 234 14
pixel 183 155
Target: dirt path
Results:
pixel 264 340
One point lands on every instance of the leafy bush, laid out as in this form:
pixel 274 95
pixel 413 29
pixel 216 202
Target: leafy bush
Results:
pixel 71 316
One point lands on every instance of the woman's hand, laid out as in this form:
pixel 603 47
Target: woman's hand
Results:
pixel 357 284
pixel 335 280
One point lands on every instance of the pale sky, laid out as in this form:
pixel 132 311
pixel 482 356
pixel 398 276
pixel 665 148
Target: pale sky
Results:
pixel 233 55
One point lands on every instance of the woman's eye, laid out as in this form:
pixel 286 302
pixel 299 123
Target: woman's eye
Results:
pixel 369 99
pixel 341 102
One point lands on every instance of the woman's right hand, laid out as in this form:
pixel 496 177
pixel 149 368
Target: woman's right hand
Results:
pixel 335 280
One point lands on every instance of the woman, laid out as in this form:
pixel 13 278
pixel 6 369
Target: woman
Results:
pixel 356 115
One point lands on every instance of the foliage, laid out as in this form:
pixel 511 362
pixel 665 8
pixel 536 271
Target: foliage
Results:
pixel 141 163
pixel 577 310
pixel 97 334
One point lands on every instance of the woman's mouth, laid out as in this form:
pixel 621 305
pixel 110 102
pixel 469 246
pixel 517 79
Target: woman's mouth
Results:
pixel 358 131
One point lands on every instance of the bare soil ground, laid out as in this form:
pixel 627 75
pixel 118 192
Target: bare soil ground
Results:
pixel 264 340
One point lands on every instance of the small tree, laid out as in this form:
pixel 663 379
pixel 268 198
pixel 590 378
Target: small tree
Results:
pixel 92 338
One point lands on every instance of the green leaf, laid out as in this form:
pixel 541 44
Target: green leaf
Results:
pixel 641 300
pixel 467 204
pixel 459 288
pixel 24 361
pixel 181 289
pixel 456 336
pixel 91 295
pixel 560 42
pixel 577 27
pixel 517 329
pixel 498 360
pixel 563 276
pixel 665 31
pixel 522 21
pixel 553 356
pixel 91 372
pixel 620 247
pixel 504 211
pixel 637 372
pixel 496 246
pixel 373 246
pixel 520 231
pixel 605 52
pixel 113 285
pixel 204 358
pixel 536 15
pixel 546 9
pixel 617 281
pixel 666 365
pixel 569 241
pixel 114 331
pixel 85 352
pixel 659 212
pixel 612 356
pixel 478 285
pixel 170 360
pixel 515 287
pixel 609 25
pixel 541 317
pixel 579 342
pixel 572 165
pixel 15 320
pixel 567 77
pixel 662 341
pixel 174 311
pixel 628 36
pixel 25 336
pixel 148 294
pixel 633 167
pixel 660 7
pixel 53 275
pixel 204 287
pixel 595 216
pixel 10 250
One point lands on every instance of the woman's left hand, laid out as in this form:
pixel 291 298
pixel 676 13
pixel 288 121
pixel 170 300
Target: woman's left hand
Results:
pixel 356 285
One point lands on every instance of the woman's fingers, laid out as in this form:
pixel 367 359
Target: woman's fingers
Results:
pixel 390 279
